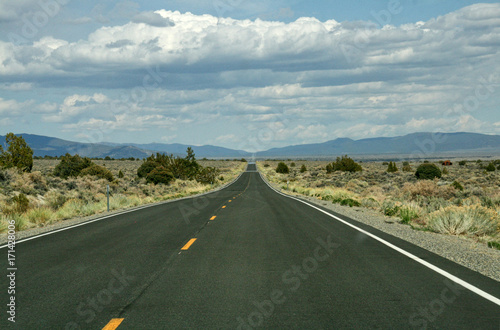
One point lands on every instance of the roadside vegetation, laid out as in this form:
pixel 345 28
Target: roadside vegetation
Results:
pixel 43 191
pixel 459 199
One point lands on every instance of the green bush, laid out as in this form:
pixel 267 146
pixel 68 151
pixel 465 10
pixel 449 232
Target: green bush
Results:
pixel 292 164
pixel 392 168
pixel 120 174
pixel 207 175
pixel 329 168
pixel 457 186
pixel 146 168
pixel 18 154
pixel 491 167
pixel 350 202
pixel 462 162
pixel 71 166
pixel 346 164
pixel 494 245
pixel 303 168
pixel 282 168
pixel 390 209
pixel 98 171
pixel 428 171
pixel 159 175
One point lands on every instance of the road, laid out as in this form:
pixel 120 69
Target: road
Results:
pixel 259 259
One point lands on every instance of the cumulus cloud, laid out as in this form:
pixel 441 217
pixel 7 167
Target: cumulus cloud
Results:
pixel 152 19
pixel 327 79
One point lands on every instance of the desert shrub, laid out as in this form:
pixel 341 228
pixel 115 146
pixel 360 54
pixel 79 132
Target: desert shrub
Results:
pixel 292 164
pixel 282 168
pixel 491 167
pixel 329 168
pixel 55 200
pixel 428 172
pixel 98 171
pixel 392 168
pixel 40 184
pixel 370 202
pixel 4 176
pixel 146 168
pixel 494 245
pixel 303 168
pixel 71 166
pixel 390 208
pixel 350 202
pixel 346 164
pixel 457 186
pixel 120 174
pixel 207 175
pixel 385 163
pixel 425 188
pixel 462 162
pixel 18 154
pixel 406 168
pixel 266 165
pixel 472 220
pixel 445 171
pixel 21 203
pixel 408 213
pixel 159 175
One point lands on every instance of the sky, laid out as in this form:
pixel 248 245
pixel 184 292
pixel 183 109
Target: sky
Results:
pixel 248 75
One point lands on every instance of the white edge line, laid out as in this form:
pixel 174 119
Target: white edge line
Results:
pixel 438 270
pixel 120 213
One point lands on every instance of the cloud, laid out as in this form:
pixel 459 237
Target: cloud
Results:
pixel 303 81
pixel 13 108
pixel 79 20
pixel 152 19
pixel 24 86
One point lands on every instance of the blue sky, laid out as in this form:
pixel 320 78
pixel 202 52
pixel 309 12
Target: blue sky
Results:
pixel 248 74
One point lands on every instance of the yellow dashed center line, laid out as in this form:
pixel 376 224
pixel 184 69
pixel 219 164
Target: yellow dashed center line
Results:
pixel 213 218
pixel 230 201
pixel 113 324
pixel 188 244
pixel 224 207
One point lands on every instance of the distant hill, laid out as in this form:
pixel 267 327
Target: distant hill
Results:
pixel 180 149
pixel 49 146
pixel 416 143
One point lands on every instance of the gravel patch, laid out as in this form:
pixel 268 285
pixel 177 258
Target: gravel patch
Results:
pixel 460 249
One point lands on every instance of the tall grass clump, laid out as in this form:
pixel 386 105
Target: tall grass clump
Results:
pixel 473 220
pixel 40 216
pixel 409 212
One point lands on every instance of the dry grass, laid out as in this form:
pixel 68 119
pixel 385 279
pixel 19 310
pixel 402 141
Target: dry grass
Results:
pixel 434 205
pixel 54 199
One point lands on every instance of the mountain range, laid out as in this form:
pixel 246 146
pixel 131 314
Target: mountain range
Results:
pixel 415 144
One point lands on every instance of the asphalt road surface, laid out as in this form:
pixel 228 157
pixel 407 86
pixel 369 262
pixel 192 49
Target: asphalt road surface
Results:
pixel 244 257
